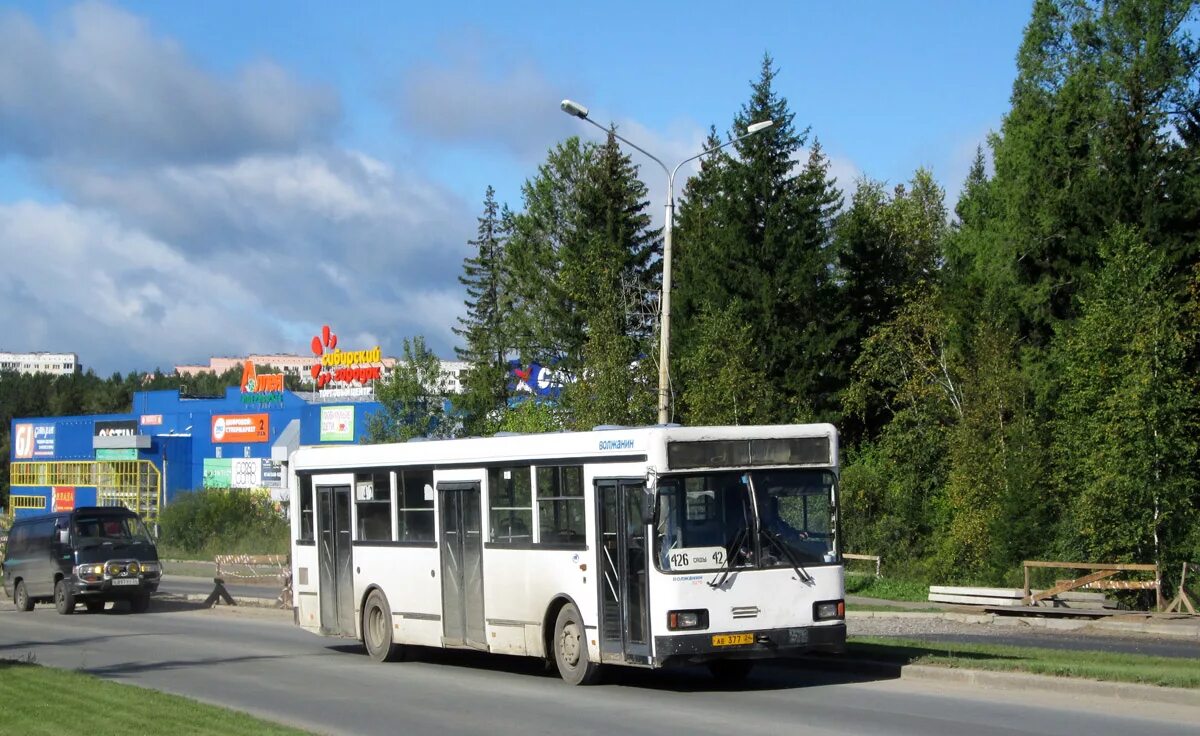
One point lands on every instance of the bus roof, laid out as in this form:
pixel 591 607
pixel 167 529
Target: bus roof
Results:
pixel 632 443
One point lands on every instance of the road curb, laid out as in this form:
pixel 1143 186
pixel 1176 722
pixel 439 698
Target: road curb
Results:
pixel 1014 681
pixel 241 600
pixel 1174 631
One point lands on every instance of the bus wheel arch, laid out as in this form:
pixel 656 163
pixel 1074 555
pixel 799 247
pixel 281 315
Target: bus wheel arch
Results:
pixel 548 622
pixel 378 635
pixel 568 645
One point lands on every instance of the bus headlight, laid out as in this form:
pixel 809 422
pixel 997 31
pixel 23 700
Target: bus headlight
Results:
pixel 694 619
pixel 826 610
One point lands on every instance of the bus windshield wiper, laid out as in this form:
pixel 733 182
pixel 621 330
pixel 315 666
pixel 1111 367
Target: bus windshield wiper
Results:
pixel 774 539
pixel 722 576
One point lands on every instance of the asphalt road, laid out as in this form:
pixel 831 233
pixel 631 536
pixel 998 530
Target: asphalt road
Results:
pixel 922 630
pixel 257 661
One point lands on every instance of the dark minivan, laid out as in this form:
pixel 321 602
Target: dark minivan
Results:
pixel 91 555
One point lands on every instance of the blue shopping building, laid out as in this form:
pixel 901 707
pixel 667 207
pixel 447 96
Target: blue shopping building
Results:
pixel 170 444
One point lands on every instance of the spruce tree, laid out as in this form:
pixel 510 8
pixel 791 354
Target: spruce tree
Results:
pixel 485 349
pixel 755 247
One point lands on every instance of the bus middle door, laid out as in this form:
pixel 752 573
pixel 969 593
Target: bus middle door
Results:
pixel 623 558
pixel 334 561
pixel 462 565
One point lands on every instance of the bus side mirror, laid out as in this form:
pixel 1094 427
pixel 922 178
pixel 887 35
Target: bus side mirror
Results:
pixel 647 506
pixel 64 536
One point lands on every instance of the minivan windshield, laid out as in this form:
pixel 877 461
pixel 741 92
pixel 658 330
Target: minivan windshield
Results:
pixel 707 521
pixel 108 529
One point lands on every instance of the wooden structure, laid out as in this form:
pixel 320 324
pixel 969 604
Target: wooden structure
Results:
pixel 1097 580
pixel 1014 597
pixel 277 567
pixel 1182 600
pixel 874 558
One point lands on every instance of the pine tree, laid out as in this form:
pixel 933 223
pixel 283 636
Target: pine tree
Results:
pixel 545 323
pixel 610 283
pixel 485 382
pixel 755 247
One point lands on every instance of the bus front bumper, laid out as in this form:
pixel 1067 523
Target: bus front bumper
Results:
pixel 683 649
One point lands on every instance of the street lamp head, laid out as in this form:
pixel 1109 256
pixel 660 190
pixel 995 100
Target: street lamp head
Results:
pixel 574 109
pixel 750 129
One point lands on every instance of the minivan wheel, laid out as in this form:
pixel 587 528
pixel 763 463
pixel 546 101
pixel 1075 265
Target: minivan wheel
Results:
pixel 21 597
pixel 140 603
pixel 64 599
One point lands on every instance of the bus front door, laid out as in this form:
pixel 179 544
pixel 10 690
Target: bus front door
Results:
pixel 336 583
pixel 624 587
pixel 462 566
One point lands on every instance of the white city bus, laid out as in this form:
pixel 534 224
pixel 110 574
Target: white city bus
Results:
pixel 652 546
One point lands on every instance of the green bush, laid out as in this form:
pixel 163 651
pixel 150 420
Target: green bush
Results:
pixel 204 523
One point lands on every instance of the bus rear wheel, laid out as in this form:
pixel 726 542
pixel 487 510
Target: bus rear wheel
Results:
pixel 570 648
pixel 377 629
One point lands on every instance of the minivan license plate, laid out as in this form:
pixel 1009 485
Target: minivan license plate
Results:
pixel 728 640
pixel 125 581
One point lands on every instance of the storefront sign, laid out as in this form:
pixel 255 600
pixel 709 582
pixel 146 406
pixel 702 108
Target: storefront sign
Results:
pixel 33 440
pixel 245 473
pixel 22 441
pixel 337 423
pixel 64 498
pixel 261 388
pixel 151 420
pixel 344 369
pixel 116 455
pixel 117 428
pixel 249 472
pixel 43 440
pixel 241 427
pixel 217 472
pixel 272 474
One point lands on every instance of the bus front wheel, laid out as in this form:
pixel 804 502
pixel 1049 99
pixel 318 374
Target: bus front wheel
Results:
pixel 570 648
pixel 377 629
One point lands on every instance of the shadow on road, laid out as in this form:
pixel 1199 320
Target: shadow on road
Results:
pixel 767 675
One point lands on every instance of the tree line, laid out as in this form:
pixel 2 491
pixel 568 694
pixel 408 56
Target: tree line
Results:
pixel 1014 378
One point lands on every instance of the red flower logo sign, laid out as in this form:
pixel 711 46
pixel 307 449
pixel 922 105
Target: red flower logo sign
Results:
pixel 325 341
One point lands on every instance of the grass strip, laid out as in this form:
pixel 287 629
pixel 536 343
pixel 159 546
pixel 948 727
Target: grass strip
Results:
pixel 41 700
pixel 1109 666
pixel 892 589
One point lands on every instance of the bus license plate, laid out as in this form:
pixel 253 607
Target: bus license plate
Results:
pixel 125 581
pixel 729 640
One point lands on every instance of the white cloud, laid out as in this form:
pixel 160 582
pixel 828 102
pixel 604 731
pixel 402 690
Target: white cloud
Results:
pixel 481 96
pixel 319 237
pixel 106 89
pixel 78 281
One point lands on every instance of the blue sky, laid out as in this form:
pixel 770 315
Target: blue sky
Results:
pixel 179 180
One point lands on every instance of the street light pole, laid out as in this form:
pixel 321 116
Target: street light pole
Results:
pixel 574 109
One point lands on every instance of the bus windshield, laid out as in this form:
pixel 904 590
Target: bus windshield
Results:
pixel 706 521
